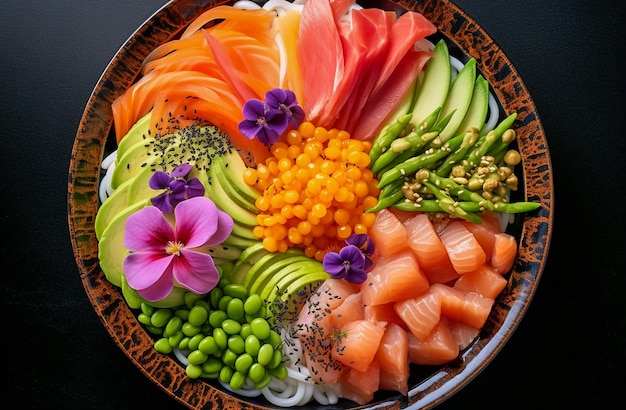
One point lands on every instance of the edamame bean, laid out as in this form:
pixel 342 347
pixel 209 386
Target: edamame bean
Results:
pixel 226 374
pixel 223 303
pixel 220 338
pixel 214 297
pixel 252 304
pixel 203 303
pixel 236 344
pixel 182 313
pixel 236 291
pixel 229 357
pixel 176 338
pixel 232 327
pixel 217 317
pixel 234 309
pixel 154 330
pixel 163 346
pixel 174 325
pixel 264 382
pixel 144 319
pixel 208 345
pixel 243 363
pixel 147 309
pixel 190 298
pixel 197 315
pixel 280 371
pixel 237 381
pixel 260 328
pixel 274 339
pixel 195 341
pixel 252 345
pixel 197 357
pixel 184 343
pixel 245 331
pixel 212 365
pixel 256 372
pixel 160 317
pixel 277 359
pixel 193 371
pixel 266 352
pixel 190 330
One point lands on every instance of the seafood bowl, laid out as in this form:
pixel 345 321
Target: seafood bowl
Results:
pixel 428 385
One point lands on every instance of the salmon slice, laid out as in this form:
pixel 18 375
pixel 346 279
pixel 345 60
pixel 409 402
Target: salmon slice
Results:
pixel 431 254
pixel 486 280
pixel 463 249
pixel 314 329
pixel 356 343
pixel 463 334
pixel 350 310
pixel 420 314
pixel 438 348
pixel 360 386
pixel 389 234
pixel 485 232
pixel 504 252
pixel 393 357
pixel 460 306
pixel 383 313
pixel 394 279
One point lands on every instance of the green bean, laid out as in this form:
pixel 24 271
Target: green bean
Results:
pixel 387 135
pixel 449 205
pixel 425 160
pixel 469 141
pixel 492 136
pixel 389 195
pixel 432 205
pixel 516 207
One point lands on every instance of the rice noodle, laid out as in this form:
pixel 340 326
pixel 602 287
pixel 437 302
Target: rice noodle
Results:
pixel 108 163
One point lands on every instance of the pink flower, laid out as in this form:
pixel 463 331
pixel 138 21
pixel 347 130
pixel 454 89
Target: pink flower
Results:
pixel 168 252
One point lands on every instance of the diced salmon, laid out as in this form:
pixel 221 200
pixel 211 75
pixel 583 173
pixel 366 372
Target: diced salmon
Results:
pixel 393 357
pixel 463 334
pixel 356 343
pixel 504 252
pixel 383 313
pixel 438 348
pixel 389 234
pixel 460 306
pixel 314 329
pixel 486 231
pixel 360 386
pixel 431 254
pixel 486 280
pixel 350 310
pixel 394 279
pixel 420 314
pixel 463 249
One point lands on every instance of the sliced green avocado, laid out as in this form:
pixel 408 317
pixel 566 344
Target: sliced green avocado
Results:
pixel 114 204
pixel 477 112
pixel 221 176
pixel 130 163
pixel 234 168
pixel 458 100
pixel 111 249
pixel 140 131
pixel 139 188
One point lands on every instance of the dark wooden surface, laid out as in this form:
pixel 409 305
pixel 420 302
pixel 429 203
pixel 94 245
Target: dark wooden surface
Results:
pixel 569 349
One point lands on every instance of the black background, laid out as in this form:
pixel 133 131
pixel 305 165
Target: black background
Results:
pixel 569 350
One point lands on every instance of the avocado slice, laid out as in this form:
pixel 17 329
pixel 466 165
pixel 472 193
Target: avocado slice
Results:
pixel 111 249
pixel 477 112
pixel 458 100
pixel 220 175
pixel 234 168
pixel 114 204
pixel 140 131
pixel 131 162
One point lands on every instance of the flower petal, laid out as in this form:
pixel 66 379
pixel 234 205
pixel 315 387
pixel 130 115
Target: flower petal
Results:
pixel 147 229
pixel 159 180
pixel 357 276
pixel 194 188
pixel 144 269
pixel 162 201
pixel 196 221
pixel 224 229
pixel 276 97
pixel 253 109
pixel 161 289
pixel 333 264
pixel 250 128
pixel 354 255
pixel 181 171
pixel 195 271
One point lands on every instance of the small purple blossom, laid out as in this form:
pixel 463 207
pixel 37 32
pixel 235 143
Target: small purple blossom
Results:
pixel 268 120
pixel 352 261
pixel 177 187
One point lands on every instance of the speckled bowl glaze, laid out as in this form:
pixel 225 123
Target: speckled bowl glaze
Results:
pixel 429 386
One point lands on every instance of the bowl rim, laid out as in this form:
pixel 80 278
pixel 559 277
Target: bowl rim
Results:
pixel 535 232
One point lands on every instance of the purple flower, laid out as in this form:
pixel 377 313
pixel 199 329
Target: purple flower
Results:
pixel 165 253
pixel 176 186
pixel 285 100
pixel 268 120
pixel 365 244
pixel 352 261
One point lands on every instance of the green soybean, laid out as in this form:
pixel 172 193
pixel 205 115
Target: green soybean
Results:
pixel 147 309
pixel 203 303
pixel 236 291
pixel 213 365
pixel 274 339
pixel 163 346
pixel 232 327
pixel 266 352
pixel 237 380
pixel 276 360
pixel 236 344
pixel 182 313
pixel 208 345
pixel 144 319
pixel 260 328
pixel 195 341
pixel 173 325
pixel 246 330
pixel 190 298
pixel 176 338
pixel 190 329
pixel 256 372
pixel 264 382
pixel 183 344
pixel 235 309
pixel 252 345
pixel 223 303
pixel 197 357
pixel 243 363
pixel 214 297
pixel 197 315
pixel 193 371
pixel 280 371
pixel 229 357
pixel 226 373
pixel 252 304
pixel 220 338
pixel 217 317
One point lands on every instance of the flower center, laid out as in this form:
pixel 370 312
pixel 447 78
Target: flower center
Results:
pixel 174 248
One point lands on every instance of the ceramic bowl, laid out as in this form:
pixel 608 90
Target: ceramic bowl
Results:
pixel 429 386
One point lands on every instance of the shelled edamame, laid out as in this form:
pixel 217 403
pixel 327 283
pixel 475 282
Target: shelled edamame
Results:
pixel 225 336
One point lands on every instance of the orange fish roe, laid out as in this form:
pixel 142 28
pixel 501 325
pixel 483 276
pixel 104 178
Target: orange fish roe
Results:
pixel 316 187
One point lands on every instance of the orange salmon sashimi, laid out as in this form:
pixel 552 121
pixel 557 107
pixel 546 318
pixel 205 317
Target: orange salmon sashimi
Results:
pixel 388 233
pixel 421 314
pixel 504 252
pixel 463 334
pixel 486 280
pixel 360 386
pixel 393 358
pixel 355 344
pixel 485 232
pixel 350 310
pixel 394 279
pixel 438 348
pixel 470 308
pixel 463 249
pixel 314 330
